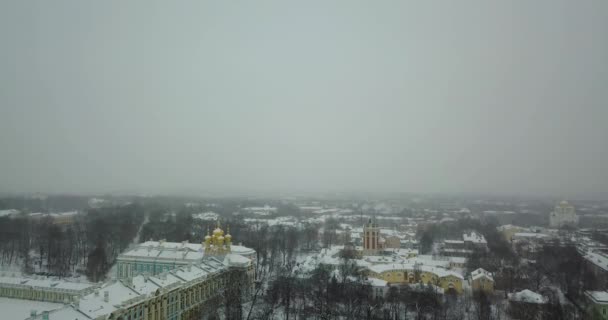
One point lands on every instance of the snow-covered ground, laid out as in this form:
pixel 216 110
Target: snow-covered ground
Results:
pixel 206 216
pixel 284 221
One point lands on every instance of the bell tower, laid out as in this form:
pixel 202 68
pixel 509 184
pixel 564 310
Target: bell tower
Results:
pixel 371 235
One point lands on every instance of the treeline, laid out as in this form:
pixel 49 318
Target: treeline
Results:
pixel 89 244
pixel 344 292
pixel 171 227
pixel 44 203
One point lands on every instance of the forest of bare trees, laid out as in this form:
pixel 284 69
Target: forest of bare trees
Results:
pixel 87 245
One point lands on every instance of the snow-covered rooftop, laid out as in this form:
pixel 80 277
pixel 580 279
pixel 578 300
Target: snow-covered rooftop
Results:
pixel 383 259
pixel 206 216
pixel 597 259
pixel 65 313
pixel 181 252
pixel 9 212
pixel 244 251
pixel 481 273
pixel 527 296
pixel 529 235
pixel 143 285
pixel 191 272
pixel 507 227
pixel 474 237
pixel 454 241
pixel 95 304
pixel 375 282
pixel 20 309
pixel 600 297
pixel 46 283
pixel 461 260
pixel 440 272
pixel 63 214
pixel 236 260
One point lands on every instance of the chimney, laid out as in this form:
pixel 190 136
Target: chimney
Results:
pixel 33 314
pixel 106 296
pixel 45 315
pixel 189 267
pixel 97 292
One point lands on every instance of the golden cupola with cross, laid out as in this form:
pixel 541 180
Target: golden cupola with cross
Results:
pixel 216 243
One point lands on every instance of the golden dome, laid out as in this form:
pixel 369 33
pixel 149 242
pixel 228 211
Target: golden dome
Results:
pixel 218 232
pixel 207 237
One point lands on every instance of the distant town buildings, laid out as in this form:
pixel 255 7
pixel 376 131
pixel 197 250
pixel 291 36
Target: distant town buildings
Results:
pixel 384 262
pixel 58 218
pixel 261 211
pixel 206 216
pixel 470 243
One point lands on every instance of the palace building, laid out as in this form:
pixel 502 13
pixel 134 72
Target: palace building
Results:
pixel 43 289
pixel 157 281
pixel 154 257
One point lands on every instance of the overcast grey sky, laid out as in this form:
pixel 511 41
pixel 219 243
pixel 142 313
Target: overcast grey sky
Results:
pixel 418 96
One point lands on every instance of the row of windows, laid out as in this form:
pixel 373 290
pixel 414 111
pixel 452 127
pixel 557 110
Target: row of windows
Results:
pixel 33 294
pixel 124 268
pixel 175 302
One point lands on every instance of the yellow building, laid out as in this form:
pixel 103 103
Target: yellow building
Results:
pixel 416 273
pixel 482 280
pixel 43 289
pixel 509 230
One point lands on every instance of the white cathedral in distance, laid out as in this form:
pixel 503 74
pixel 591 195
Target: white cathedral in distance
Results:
pixel 563 214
